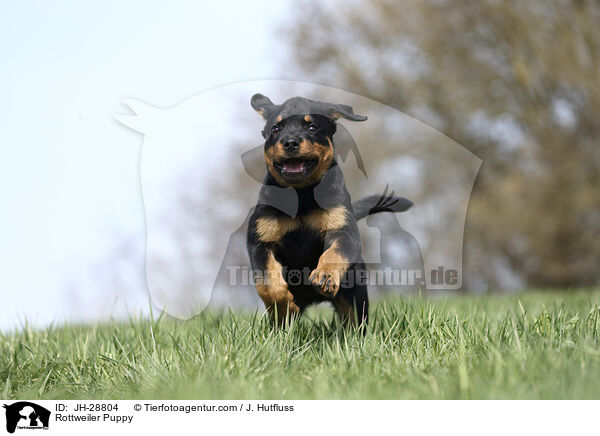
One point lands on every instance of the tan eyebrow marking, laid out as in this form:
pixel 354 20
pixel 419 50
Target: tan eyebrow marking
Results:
pixel 307 118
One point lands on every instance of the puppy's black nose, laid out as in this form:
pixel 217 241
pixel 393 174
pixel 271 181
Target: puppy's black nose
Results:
pixel 291 145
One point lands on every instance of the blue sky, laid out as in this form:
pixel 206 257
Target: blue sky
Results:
pixel 69 179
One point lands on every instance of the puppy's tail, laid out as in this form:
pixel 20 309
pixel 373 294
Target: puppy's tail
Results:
pixel 375 204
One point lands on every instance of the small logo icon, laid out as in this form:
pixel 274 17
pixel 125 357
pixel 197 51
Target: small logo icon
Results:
pixel 26 415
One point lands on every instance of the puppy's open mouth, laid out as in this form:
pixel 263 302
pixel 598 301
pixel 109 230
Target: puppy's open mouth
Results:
pixel 295 168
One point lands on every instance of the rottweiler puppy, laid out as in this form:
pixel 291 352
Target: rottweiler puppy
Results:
pixel 315 255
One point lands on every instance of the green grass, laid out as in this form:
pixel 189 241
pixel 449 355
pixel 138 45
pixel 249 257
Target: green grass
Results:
pixel 535 345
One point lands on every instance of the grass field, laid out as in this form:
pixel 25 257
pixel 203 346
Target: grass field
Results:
pixel 534 345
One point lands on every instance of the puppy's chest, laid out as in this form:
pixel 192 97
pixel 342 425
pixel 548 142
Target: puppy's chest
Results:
pixel 300 248
pixel 298 242
pixel 277 229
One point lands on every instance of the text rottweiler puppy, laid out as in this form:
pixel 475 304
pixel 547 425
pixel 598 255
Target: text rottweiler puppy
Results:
pixel 315 255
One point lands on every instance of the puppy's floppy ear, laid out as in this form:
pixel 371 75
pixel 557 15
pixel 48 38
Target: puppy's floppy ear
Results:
pixel 335 111
pixel 261 104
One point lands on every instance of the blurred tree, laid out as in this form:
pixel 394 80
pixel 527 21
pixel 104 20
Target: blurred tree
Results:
pixel 517 83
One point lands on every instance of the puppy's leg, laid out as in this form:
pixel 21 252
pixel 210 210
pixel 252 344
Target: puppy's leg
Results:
pixel 352 305
pixel 273 291
pixel 341 248
pixel 327 276
pixel 344 309
pixel 360 304
pixel 351 302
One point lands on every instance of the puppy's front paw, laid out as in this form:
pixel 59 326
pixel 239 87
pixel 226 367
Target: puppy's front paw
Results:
pixel 325 282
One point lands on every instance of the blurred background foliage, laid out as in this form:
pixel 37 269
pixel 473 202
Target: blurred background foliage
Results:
pixel 516 83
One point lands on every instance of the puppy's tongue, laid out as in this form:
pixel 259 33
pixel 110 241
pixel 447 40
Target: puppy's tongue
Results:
pixel 293 166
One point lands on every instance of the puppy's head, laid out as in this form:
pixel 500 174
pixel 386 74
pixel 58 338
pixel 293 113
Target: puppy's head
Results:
pixel 299 137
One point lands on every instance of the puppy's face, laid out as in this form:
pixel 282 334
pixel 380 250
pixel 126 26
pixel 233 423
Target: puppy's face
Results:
pixel 298 137
pixel 299 149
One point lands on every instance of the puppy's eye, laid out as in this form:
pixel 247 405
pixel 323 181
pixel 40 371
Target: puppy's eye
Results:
pixel 312 128
pixel 275 129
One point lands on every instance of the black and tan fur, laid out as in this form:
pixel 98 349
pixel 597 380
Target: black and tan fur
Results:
pixel 322 239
